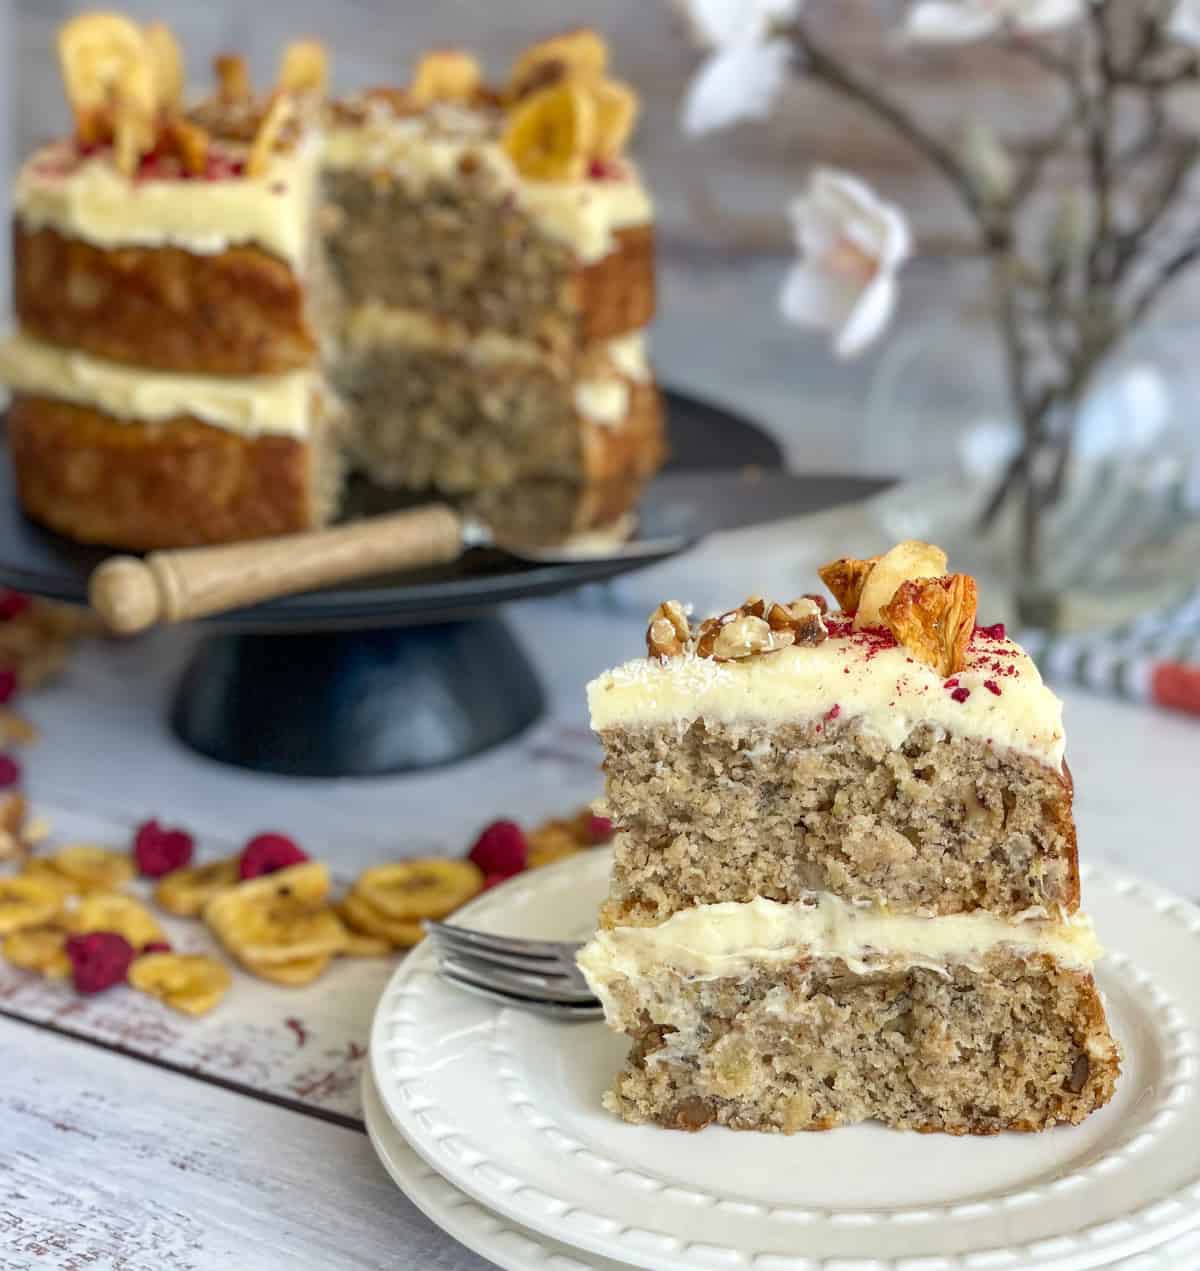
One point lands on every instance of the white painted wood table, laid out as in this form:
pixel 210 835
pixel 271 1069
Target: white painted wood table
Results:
pixel 131 1137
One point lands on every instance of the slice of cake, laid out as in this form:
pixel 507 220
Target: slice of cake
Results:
pixel 845 883
pixel 166 385
pixel 493 253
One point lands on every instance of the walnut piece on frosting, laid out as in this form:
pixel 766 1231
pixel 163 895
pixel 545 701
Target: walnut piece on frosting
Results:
pixel 934 618
pixel 668 634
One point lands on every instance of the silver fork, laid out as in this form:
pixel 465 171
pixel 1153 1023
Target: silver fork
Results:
pixel 532 975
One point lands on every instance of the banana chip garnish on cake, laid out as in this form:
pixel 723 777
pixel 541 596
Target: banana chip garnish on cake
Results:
pixel 189 982
pixel 934 618
pixel 269 134
pixel 846 578
pixel 166 64
pixel 409 891
pixel 304 68
pixel 574 54
pixel 445 75
pixel 905 562
pixel 40 949
pixel 616 113
pixel 550 135
pixel 92 867
pixel 113 911
pixel 95 51
pixel 185 892
pixel 26 901
pixel 233 77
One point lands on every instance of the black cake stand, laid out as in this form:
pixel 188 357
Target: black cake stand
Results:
pixel 395 673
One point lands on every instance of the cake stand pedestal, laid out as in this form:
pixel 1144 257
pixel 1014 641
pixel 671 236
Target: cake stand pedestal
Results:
pixel 388 674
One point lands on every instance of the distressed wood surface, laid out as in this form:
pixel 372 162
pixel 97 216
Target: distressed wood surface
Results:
pixel 109 1163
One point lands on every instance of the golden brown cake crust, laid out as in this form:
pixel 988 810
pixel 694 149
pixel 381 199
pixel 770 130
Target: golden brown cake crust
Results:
pixel 142 486
pixel 238 312
pixel 636 448
pixel 615 295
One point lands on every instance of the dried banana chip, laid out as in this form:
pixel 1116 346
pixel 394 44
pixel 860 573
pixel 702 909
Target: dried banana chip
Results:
pixel 40 867
pixel 305 68
pixel 411 890
pixel 93 867
pixel 94 51
pixel 186 891
pixel 360 945
pixel 189 982
pixel 299 972
pixel 360 915
pixel 26 901
pixel 616 112
pixel 582 53
pixel 278 917
pixel 39 949
pixel 166 63
pixel 554 841
pixel 445 75
pixel 551 134
pixel 113 911
pixel 266 139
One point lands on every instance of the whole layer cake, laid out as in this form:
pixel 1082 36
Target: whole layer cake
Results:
pixel 845 882
pixel 441 285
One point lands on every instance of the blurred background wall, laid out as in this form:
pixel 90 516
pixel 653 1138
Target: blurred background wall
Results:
pixel 724 240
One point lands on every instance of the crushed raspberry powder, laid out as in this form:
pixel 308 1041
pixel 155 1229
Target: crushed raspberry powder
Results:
pixel 994 632
pixel 599 829
pixel 834 711
pixel 266 853
pixel 158 850
pixel 12 603
pixel 10 772
pixel 961 694
pixel 953 683
pixel 992 687
pixel 501 850
pixel 8 684
pixel 99 960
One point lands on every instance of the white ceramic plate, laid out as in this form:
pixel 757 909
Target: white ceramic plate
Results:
pixel 517 1248
pixel 506 1106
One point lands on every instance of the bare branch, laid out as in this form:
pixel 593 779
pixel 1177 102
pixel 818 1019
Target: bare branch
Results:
pixel 1163 199
pixel 1166 275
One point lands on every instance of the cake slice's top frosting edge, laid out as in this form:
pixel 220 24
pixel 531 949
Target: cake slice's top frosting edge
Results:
pixel 998 697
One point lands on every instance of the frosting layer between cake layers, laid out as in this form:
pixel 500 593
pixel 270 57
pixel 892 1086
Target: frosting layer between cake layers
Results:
pixel 248 405
pixel 88 199
pixel 998 697
pixel 731 939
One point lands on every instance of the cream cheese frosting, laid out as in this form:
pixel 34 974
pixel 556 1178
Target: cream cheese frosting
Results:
pixel 417 149
pixel 998 697
pixel 247 405
pixel 733 938
pixel 88 199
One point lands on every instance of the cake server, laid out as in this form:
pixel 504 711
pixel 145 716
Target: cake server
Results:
pixel 132 594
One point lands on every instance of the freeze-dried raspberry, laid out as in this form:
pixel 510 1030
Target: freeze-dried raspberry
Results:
pixel 12 603
pixel 994 632
pixel 99 960
pixel 599 829
pixel 10 772
pixel 494 880
pixel 156 946
pixel 265 853
pixel 501 850
pixel 158 850
pixel 8 684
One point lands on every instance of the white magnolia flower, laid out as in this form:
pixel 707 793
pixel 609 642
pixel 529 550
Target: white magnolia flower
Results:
pixel 958 21
pixel 851 245
pixel 1184 22
pixel 747 68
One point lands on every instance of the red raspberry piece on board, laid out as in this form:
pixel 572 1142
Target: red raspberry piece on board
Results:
pixel 99 960
pixel 8 684
pixel 12 603
pixel 494 880
pixel 156 946
pixel 266 853
pixel 500 850
pixel 159 849
pixel 10 772
pixel 599 829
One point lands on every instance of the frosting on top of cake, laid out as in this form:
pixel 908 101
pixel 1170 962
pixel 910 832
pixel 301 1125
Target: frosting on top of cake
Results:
pixel 247 405
pixel 83 196
pixel 866 676
pixel 435 146
pixel 732 938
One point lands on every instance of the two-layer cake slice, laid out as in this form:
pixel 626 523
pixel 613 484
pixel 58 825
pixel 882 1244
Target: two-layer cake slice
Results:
pixel 166 387
pixel 845 884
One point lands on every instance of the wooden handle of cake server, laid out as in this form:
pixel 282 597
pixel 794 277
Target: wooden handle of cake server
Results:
pixel 132 594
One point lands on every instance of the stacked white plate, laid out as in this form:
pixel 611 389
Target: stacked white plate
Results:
pixel 489 1119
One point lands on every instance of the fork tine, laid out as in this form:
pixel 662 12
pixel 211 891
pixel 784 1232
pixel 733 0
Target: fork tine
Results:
pixel 573 1013
pixel 513 961
pixel 502 944
pixel 537 987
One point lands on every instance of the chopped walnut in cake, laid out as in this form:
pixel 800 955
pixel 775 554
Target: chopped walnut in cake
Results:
pixel 754 628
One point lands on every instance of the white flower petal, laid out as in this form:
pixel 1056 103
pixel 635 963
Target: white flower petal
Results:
pixel 869 316
pixel 739 82
pixel 944 22
pixel 720 23
pixel 811 297
pixel 1184 22
pixel 1046 15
